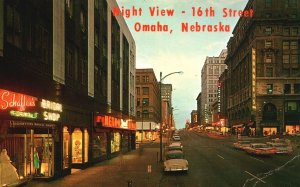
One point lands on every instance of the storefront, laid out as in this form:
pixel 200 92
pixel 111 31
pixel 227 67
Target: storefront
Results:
pixel 30 133
pixel 111 136
pixel 270 128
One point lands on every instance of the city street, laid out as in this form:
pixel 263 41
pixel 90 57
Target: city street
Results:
pixel 212 162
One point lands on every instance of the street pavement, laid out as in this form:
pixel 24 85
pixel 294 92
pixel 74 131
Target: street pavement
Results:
pixel 141 167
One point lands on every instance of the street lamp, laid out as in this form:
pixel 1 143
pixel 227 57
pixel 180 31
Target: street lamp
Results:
pixel 161 78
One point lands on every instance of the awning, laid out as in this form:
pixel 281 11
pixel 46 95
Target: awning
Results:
pixel 238 126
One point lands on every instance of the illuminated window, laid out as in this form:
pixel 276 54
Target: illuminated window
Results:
pixel 268 44
pixel 268 30
pixel 285 45
pixel 66 141
pixel 77 146
pixel 86 145
pixel 286 59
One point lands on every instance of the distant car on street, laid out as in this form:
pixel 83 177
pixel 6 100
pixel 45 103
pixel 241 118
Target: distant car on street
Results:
pixel 243 144
pixel 175 162
pixel 260 149
pixel 176 138
pixel 175 146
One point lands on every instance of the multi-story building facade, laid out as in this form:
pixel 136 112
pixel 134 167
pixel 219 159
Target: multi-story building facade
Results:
pixel 210 73
pixel 167 107
pixel 199 117
pixel 194 118
pixel 67 68
pixel 264 69
pixel 147 105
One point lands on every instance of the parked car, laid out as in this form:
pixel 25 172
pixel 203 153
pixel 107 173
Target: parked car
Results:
pixel 175 146
pixel 175 162
pixel 260 149
pixel 281 147
pixel 243 144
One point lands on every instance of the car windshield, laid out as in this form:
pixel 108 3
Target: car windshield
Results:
pixel 174 156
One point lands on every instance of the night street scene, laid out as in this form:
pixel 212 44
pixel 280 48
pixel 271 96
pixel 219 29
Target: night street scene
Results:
pixel 151 93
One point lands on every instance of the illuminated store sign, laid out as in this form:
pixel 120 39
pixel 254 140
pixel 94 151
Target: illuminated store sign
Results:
pixel 253 79
pixel 19 101
pixel 53 106
pixel 113 122
pixel 51 116
pixel 45 104
pixel 24 114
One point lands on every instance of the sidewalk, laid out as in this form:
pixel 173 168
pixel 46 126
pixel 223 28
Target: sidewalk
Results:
pixel 140 166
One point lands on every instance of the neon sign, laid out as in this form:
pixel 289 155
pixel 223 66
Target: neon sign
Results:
pixel 51 116
pixel 24 114
pixel 45 104
pixel 10 99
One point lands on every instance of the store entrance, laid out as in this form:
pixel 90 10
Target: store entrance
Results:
pixel 39 151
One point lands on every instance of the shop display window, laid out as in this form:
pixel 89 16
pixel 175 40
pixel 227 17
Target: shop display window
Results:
pixel 99 145
pixel 77 146
pixel 292 129
pixel 66 142
pixel 31 152
pixel 115 142
pixel 86 146
pixel 270 131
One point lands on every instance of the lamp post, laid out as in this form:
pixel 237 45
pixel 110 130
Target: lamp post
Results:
pixel 143 102
pixel 161 78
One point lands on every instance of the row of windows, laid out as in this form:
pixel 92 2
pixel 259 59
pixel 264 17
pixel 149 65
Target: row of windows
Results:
pixel 287 3
pixel 287 88
pixel 286 45
pixel 144 100
pixel 145 90
pixel 144 79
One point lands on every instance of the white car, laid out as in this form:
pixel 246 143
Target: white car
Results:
pixel 175 146
pixel 175 162
pixel 281 147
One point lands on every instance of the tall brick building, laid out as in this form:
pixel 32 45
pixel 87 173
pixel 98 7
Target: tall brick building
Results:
pixel 264 69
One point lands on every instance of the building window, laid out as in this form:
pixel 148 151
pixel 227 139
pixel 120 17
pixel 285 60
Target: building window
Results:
pixel 268 30
pixel 145 78
pixel 268 3
pixel 294 31
pixel 138 114
pixel 82 21
pixel 145 114
pixel 285 45
pixel 145 91
pixel 293 15
pixel 97 4
pixel 294 59
pixel 145 101
pixel 137 79
pixel 269 72
pixel 269 88
pixel 138 91
pixel 138 101
pixel 291 106
pixel 286 59
pixel 14 27
pixel 286 31
pixel 268 44
pixel 69 7
pixel 268 15
pixel 287 88
pixel 268 59
pixel 97 37
pixel 297 88
pixel 294 45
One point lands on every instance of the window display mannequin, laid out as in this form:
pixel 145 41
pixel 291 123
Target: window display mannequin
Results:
pixel 36 161
pixel 8 173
